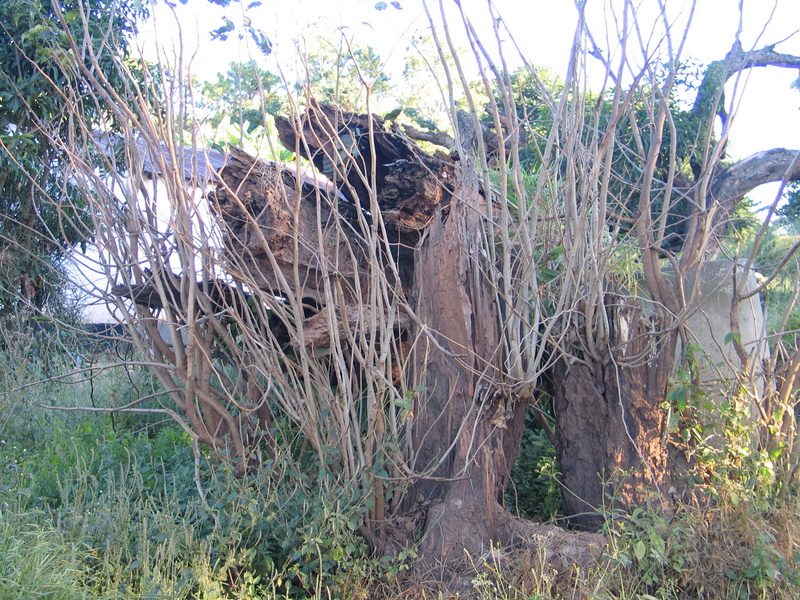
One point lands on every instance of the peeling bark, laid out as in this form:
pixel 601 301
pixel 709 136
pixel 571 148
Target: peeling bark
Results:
pixel 267 220
pixel 454 440
pixel 467 430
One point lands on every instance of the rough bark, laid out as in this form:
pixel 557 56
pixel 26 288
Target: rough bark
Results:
pixel 266 219
pixel 612 447
pixel 610 425
pixel 467 431
pixel 461 373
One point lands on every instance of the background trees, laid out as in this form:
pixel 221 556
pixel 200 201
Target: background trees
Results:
pixel 244 95
pixel 43 214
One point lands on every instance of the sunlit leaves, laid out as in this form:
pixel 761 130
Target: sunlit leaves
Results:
pixel 42 212
pixel 243 30
pixel 261 41
pixel 221 33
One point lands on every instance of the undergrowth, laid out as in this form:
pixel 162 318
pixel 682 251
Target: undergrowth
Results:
pixel 95 507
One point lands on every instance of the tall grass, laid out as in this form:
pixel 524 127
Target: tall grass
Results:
pixel 36 561
pixel 110 508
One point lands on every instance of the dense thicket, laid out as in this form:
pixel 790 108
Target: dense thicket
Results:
pixel 381 315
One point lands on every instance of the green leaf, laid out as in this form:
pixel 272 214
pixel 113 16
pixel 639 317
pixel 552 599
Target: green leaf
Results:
pixel 678 396
pixel 658 545
pixel 222 32
pixel 261 41
pixel 353 522
pixel 732 337
pixel 639 550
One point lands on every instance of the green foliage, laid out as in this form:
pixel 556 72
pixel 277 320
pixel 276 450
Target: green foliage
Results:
pixel 42 212
pixel 789 213
pixel 534 110
pixel 742 223
pixel 123 497
pixel 685 397
pixel 37 562
pixel 244 95
pixel 732 549
pixel 537 96
pixel 633 141
pixel 116 509
pixel 534 491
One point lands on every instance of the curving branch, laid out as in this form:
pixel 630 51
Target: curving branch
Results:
pixel 440 138
pixel 710 94
pixel 731 184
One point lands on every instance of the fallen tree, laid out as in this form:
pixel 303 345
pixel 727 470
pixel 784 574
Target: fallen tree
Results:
pixel 399 311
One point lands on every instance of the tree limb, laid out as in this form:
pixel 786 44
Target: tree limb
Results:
pixel 720 71
pixel 440 138
pixel 731 184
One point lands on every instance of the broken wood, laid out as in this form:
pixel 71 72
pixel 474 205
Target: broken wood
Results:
pixel 372 166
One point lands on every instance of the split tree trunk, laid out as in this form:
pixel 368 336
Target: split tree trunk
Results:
pixel 466 433
pixel 467 430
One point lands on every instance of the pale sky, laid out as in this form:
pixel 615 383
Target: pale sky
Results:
pixel 768 114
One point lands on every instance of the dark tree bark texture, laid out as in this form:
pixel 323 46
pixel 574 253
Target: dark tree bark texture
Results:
pixel 467 432
pixel 610 425
pixel 461 406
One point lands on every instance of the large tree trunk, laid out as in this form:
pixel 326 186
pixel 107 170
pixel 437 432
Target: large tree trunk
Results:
pixel 466 432
pixel 610 423
pixel 467 429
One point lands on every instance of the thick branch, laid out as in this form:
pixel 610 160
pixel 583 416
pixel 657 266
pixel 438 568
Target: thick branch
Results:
pixel 440 138
pixel 734 182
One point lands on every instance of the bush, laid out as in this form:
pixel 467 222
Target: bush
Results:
pixel 534 491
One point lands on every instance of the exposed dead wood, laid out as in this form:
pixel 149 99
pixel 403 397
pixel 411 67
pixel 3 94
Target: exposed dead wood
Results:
pixel 219 296
pixel 348 322
pixel 440 138
pixel 372 165
pixel 269 225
